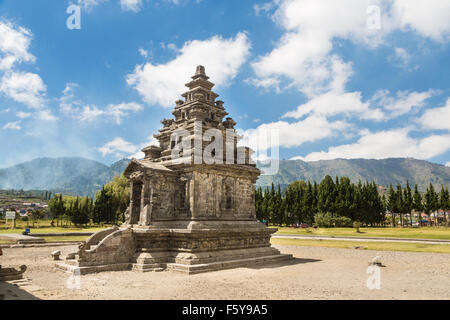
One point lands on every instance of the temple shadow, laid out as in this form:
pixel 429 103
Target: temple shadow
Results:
pixel 9 291
pixel 285 263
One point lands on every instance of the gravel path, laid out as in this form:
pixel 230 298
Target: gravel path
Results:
pixel 316 273
pixel 361 239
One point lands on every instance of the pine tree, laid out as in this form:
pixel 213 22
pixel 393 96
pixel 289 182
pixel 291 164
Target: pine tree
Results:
pixel 75 212
pixel 408 201
pixel 57 207
pixel 266 204
pixel 100 213
pixel 308 204
pixel 417 201
pixel 431 202
pixel 392 203
pixel 345 200
pixel 326 197
pixel 400 203
pixel 83 216
pixel 384 208
pixel 278 207
pixel 444 202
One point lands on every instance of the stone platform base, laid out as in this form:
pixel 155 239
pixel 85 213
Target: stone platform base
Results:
pixel 93 269
pixel 215 266
pixel 199 247
pixel 178 267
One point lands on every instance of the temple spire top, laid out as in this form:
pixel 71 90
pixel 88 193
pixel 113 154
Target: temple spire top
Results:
pixel 200 73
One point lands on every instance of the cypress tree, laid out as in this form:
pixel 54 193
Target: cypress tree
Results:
pixel 417 200
pixel 326 197
pixel 392 203
pixel 400 203
pixel 408 201
pixel 431 202
pixel 308 204
pixel 444 202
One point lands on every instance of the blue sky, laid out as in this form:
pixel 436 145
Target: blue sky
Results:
pixel 334 78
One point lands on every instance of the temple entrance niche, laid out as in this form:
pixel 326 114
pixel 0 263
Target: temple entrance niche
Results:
pixel 227 194
pixel 136 197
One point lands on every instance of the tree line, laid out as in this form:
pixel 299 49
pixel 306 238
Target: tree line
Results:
pixel 330 203
pixel 341 203
pixel 108 207
pixel 402 202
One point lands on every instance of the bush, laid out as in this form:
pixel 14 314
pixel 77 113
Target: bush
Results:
pixel 323 220
pixel 342 222
pixel 326 220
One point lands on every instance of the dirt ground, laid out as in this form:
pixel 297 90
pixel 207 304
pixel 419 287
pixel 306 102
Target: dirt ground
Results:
pixel 315 273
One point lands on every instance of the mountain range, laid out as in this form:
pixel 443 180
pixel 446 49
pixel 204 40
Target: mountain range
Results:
pixel 83 176
pixel 77 176
pixel 383 172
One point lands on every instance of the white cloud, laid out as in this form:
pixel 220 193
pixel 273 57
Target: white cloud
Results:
pixel 403 103
pixel 67 103
pixel 13 125
pixel 332 103
pixel 46 115
pixel 114 111
pixel 402 59
pixel 265 7
pixel 126 5
pixel 336 101
pixel 447 164
pixel 403 54
pixel 429 19
pixel 89 113
pixel 386 144
pixel 311 129
pixel 151 141
pixel 302 54
pixel 119 111
pixel 118 147
pixel 265 83
pixel 436 118
pixel 23 115
pixel 311 27
pixel 121 148
pixel 24 87
pixel 131 5
pixel 89 4
pixel 162 84
pixel 14 45
pixel 143 52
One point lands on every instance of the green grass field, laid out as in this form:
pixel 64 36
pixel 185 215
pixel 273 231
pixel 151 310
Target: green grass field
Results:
pixel 53 239
pixel 45 227
pixel 379 246
pixel 406 233
pixel 67 238
pixel 53 230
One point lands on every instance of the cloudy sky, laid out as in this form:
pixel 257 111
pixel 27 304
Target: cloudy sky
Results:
pixel 337 79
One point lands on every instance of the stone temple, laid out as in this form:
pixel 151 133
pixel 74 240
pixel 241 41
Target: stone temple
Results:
pixel 185 214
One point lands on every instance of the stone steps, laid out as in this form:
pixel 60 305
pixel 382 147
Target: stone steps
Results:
pixel 215 266
pixel 148 267
pixel 156 267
